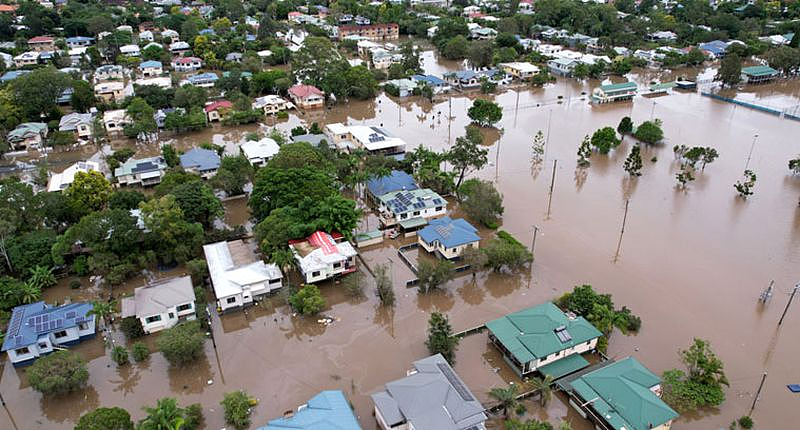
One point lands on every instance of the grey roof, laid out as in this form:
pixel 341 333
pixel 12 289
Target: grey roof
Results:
pixel 433 397
pixel 143 165
pixel 313 139
pixel 70 122
pixel 201 159
pixel 158 297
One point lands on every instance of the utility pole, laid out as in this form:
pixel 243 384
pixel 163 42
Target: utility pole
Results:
pixel 758 393
pixel 653 110
pixel 622 231
pixel 552 184
pixel 752 146
pixel 533 243
pixel 547 138
pixel 786 309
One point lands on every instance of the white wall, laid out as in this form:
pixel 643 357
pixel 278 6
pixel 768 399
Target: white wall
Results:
pixel 577 349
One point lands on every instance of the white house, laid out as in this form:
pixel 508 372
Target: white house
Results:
pixel 179 47
pixel 448 237
pixel 271 103
pixel 323 256
pixel 130 50
pixel 187 64
pixel 372 139
pixel 61 181
pixel 29 58
pixel 238 275
pixel 37 329
pixel 172 35
pixel 115 120
pixel 399 206
pixel 258 153
pixel 109 72
pixel 110 91
pixel 144 171
pixel 82 124
pixel 162 304
pixel 146 36
pixel 156 81
pixel 519 70
pixel 151 68
pixel 28 135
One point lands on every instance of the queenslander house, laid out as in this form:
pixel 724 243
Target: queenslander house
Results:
pixel 38 329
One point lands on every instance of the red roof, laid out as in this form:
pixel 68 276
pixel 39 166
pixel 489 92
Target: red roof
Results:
pixel 8 8
pixel 322 240
pixel 217 105
pixel 303 91
pixel 187 60
pixel 40 39
pixel 366 27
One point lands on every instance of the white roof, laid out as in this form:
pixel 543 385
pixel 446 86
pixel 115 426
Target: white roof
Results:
pixel 163 82
pixel 30 55
pixel 567 54
pixel 522 67
pixel 268 100
pixel 374 138
pixel 129 49
pixel 115 115
pixel 77 51
pixel 229 280
pixel 264 148
pixel 105 87
pixel 337 128
pixel 60 181
pixel 159 297
pixel 264 53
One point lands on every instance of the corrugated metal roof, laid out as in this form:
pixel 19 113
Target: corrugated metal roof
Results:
pixel 328 410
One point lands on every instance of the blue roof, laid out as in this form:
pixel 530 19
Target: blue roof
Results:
pixel 13 74
pixel 201 159
pixel 29 322
pixel 203 77
pixel 449 232
pixel 328 410
pixel 396 181
pixel 79 39
pixel 150 63
pixel 715 47
pixel 207 31
pixel 433 80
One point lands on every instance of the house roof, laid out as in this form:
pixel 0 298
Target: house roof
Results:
pixel 79 39
pixel 71 121
pixel 26 130
pixel 143 165
pixel 221 104
pixel 29 322
pixel 13 74
pixel 433 80
pixel 619 87
pixel 433 397
pixel 61 181
pixel 715 47
pixel 40 39
pixel 150 64
pixel 759 71
pixel 158 297
pixel 531 334
pixel 200 158
pixel 209 76
pixel 313 139
pixel 449 232
pixel 397 180
pixel 328 410
pixel 264 148
pixel 322 249
pixel 233 265
pixel 303 91
pixel 412 200
pixel 186 60
pixel 623 395
pixel 521 66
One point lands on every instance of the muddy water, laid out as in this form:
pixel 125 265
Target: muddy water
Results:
pixel 691 263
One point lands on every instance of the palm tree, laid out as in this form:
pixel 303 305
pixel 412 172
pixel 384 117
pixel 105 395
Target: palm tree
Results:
pixel 165 416
pixel 104 310
pixel 283 258
pixel 29 293
pixel 506 397
pixel 544 387
pixel 564 425
pixel 605 319
pixel 42 277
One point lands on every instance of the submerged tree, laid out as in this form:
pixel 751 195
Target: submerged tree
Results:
pixel 746 185
pixel 625 126
pixel 58 373
pixel 485 112
pixel 605 139
pixel 105 419
pixel 584 152
pixel 505 397
pixel 466 155
pixel 702 386
pixel 481 201
pixel 794 165
pixel 433 275
pixel 538 146
pixel 685 176
pixel 383 285
pixel 633 164
pixel 440 337
pixel 544 386
pixel 649 132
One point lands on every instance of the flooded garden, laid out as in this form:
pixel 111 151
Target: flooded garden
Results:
pixel 691 262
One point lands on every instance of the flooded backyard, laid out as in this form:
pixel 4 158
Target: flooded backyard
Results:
pixel 691 263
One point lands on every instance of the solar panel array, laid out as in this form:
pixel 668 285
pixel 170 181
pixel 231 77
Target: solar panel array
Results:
pixel 448 373
pixel 49 325
pixel 375 137
pixel 562 334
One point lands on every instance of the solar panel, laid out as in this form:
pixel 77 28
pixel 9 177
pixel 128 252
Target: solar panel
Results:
pixel 455 382
pixel 562 334
pixel 18 340
pixel 70 314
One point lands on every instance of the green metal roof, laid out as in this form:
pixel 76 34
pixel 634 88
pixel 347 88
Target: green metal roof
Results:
pixel 565 366
pixel 367 235
pixel 530 333
pixel 619 87
pixel 413 222
pixel 620 393
pixel 759 71
pixel 662 86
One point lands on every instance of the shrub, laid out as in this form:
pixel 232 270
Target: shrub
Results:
pixel 649 132
pixel 132 328
pixel 58 373
pixel 307 300
pixel 75 284
pixel 140 352
pixel 746 422
pixel 193 416
pixel 120 355
pixel 440 337
pixel 237 409
pixel 506 251
pixel 198 270
pixel 182 344
pixel 105 419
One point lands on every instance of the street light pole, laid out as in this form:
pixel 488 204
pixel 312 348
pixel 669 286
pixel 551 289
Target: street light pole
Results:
pixel 752 146
pixel 786 309
pixel 533 243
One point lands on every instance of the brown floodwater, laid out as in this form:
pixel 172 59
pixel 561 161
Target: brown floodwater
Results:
pixel 691 263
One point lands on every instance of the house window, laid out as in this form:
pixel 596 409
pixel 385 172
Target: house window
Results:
pixel 43 346
pixel 60 334
pixel 83 326
pixel 314 274
pixel 403 216
pixel 416 213
pixel 337 265
pixel 24 350
pixel 152 319
pixel 230 300
pixel 438 208
pixel 185 307
pixel 275 281
pixel 588 342
pixel 171 315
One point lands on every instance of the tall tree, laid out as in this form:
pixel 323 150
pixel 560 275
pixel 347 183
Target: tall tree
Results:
pixel 730 70
pixel 505 397
pixel 466 155
pixel 485 112
pixel 633 164
pixel 440 337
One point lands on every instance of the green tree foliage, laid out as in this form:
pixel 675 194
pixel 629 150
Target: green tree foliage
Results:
pixel 41 277
pixel 649 132
pixel 384 285
pixel 170 155
pixel 544 387
pixel 485 113
pixel 307 300
pixel 506 251
pixel 125 199
pixel 466 155
pixel 89 192
pixel 132 328
pixel 455 48
pixel 584 301
pixel 105 419
pixel 745 186
pixel 425 165
pixel 440 337
pixel 36 93
pixel 82 97
pixel 170 235
pixel 58 373
pixel 434 274
pixel 269 82
pixel 236 406
pixel 702 386
pixel 182 344
pixel 141 115
pixel 190 96
pixel 198 202
pixel 784 58
pixel 605 139
pixel 166 415
pixel 506 398
pixel 287 187
pixel 120 355
pixel 140 352
pixel 32 249
pixel 480 53
pixel 533 424
pixel 625 126
pixel 584 152
pixel 233 174
pixel 730 70
pixel 354 285
pixel 633 163
pixel 481 201
pixel 318 63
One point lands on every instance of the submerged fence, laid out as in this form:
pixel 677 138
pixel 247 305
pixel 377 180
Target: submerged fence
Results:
pixel 784 113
